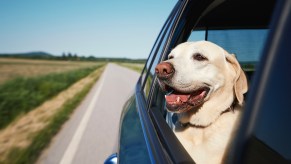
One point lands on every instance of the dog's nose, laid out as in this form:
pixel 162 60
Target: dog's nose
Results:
pixel 164 70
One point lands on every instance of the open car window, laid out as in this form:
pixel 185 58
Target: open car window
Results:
pixel 244 38
pixel 246 44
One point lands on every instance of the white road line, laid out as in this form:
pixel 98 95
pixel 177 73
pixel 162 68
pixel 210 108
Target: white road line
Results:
pixel 74 144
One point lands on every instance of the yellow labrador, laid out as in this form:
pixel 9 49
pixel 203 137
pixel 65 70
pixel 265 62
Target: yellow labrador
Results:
pixel 205 86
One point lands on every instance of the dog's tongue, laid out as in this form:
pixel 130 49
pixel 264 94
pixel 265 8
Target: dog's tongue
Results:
pixel 177 97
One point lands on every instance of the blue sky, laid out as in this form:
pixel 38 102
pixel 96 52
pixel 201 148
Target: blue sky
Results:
pixel 102 28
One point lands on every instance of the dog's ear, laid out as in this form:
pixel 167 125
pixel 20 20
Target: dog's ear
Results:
pixel 241 84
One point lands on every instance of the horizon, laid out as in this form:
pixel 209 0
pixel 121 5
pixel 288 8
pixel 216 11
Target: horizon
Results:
pixel 88 28
pixel 40 53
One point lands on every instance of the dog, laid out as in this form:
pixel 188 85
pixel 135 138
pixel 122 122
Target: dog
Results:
pixel 205 87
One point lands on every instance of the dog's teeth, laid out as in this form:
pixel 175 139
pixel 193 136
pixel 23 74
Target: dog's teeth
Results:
pixel 178 99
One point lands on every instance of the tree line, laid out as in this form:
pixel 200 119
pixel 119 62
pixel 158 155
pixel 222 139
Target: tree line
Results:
pixel 70 57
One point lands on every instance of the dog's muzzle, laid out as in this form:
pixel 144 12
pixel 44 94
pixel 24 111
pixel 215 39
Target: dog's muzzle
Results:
pixel 164 70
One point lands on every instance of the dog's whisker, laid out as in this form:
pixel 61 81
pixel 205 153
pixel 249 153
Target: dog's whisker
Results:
pixel 169 92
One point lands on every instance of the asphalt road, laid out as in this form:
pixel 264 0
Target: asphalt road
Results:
pixel 90 135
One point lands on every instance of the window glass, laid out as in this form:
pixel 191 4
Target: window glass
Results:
pixel 149 78
pixel 246 44
pixel 145 80
pixel 149 61
pixel 155 62
pixel 157 58
pixel 153 53
pixel 197 36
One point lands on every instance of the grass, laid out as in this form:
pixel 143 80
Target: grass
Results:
pixel 43 138
pixel 13 68
pixel 21 95
pixel 40 139
pixel 136 67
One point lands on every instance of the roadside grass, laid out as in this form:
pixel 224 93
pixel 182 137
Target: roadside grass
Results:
pixel 21 95
pixel 11 68
pixel 38 140
pixel 136 67
pixel 42 139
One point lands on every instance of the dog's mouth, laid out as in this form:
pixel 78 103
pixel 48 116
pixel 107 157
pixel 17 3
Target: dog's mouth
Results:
pixel 179 102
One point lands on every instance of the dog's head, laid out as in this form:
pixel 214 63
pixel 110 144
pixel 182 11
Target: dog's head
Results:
pixel 201 80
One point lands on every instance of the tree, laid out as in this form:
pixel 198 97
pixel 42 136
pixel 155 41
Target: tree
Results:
pixel 64 57
pixel 70 56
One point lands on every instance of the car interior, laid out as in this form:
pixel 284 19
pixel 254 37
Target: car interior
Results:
pixel 243 33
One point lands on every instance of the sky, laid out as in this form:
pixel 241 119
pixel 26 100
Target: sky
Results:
pixel 101 28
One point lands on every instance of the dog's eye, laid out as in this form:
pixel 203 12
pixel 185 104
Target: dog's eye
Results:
pixel 199 57
pixel 171 57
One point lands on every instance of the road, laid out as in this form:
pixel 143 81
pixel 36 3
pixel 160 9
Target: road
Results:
pixel 90 135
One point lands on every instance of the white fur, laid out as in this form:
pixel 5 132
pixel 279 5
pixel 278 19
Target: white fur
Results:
pixel 207 139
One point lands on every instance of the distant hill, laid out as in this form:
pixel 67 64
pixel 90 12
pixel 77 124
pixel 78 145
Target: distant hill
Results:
pixel 37 54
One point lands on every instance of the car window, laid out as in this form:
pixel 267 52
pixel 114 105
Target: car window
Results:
pixel 246 44
pixel 149 63
pixel 244 38
pixel 157 56
pixel 248 50
pixel 152 62
pixel 197 35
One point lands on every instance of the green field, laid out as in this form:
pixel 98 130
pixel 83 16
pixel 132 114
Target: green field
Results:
pixel 36 98
pixel 11 68
pixel 136 67
pixel 20 95
pixel 41 139
pixel 26 83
